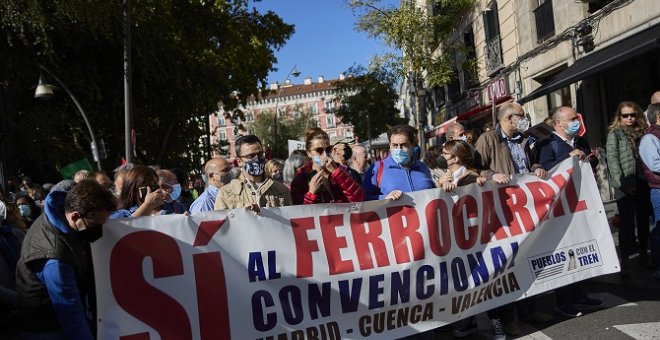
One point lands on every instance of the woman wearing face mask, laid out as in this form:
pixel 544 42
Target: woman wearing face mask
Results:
pixel 459 171
pixel 274 170
pixel 140 194
pixel 627 177
pixel 28 208
pixel 328 182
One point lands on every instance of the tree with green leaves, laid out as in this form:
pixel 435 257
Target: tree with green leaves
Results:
pixel 415 28
pixel 187 55
pixel 368 102
pixel 291 126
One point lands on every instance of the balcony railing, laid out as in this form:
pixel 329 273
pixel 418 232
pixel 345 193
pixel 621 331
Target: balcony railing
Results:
pixel 545 21
pixel 493 55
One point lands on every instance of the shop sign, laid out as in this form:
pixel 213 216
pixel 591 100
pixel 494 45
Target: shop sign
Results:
pixel 497 89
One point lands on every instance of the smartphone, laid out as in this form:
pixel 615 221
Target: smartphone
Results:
pixel 143 190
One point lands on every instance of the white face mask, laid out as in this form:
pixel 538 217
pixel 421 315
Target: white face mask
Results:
pixel 523 124
pixel 3 211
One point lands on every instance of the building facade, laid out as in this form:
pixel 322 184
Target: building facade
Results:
pixel 547 53
pixel 317 98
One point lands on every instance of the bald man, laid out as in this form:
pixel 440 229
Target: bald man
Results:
pixel 655 98
pixel 218 173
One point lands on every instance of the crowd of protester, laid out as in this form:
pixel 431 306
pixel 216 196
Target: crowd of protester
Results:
pixel 45 262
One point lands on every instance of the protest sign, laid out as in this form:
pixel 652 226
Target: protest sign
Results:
pixel 380 269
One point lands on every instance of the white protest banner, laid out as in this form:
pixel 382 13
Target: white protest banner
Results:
pixel 382 269
pixel 295 145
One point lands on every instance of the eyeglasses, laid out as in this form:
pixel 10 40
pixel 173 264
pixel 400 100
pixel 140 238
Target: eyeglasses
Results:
pixel 320 151
pixel 628 115
pixel 253 155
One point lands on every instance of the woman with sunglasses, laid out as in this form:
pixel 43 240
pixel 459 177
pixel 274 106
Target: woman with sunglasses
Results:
pixel 627 177
pixel 328 182
pixel 140 194
pixel 458 155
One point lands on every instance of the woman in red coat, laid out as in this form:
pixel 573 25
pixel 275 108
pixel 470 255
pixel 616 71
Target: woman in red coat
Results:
pixel 328 182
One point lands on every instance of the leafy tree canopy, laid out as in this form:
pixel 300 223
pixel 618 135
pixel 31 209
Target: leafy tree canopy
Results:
pixel 186 54
pixel 415 31
pixel 292 127
pixel 368 102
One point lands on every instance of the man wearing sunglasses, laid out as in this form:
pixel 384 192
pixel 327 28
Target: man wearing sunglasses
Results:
pixel 54 276
pixel 252 189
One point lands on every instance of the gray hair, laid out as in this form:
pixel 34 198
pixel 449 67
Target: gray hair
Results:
pixel 652 113
pixel 452 128
pixel 506 108
pixel 294 162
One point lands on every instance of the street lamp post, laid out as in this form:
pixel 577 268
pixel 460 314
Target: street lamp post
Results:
pixel 44 91
pixel 294 72
pixel 128 100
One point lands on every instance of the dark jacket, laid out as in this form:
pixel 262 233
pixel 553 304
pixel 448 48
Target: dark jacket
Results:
pixel 50 240
pixel 553 150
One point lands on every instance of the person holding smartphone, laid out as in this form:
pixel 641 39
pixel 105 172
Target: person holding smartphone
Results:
pixel 140 194
pixel 327 182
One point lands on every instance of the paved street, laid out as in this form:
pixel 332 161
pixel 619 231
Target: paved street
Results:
pixel 631 309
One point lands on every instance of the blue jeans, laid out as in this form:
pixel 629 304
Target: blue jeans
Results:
pixel 655 232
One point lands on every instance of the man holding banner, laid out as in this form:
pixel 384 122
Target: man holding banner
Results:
pixel 252 189
pixel 502 153
pixel 564 143
pixel 54 276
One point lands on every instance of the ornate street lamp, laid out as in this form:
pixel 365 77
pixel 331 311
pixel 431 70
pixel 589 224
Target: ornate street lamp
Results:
pixel 45 92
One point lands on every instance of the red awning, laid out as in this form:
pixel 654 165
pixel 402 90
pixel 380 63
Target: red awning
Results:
pixel 463 117
pixel 440 129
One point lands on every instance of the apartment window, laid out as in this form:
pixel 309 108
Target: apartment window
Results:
pixel 221 120
pixel 312 109
pixel 329 106
pixel 493 44
pixel 281 112
pixel 545 20
pixel 561 97
pixel 596 6
pixel 349 133
pixel 222 135
pixel 249 118
pixel 330 121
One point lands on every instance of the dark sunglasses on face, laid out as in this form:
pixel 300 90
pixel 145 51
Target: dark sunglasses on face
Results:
pixel 628 115
pixel 320 151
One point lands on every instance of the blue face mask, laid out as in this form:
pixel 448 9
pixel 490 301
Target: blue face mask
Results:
pixel 176 191
pixel 317 160
pixel 463 139
pixel 25 210
pixel 573 128
pixel 400 156
pixel 204 178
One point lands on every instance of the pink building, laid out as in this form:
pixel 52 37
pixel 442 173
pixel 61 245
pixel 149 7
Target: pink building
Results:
pixel 319 98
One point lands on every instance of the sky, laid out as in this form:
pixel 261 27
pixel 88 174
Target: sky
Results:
pixel 325 42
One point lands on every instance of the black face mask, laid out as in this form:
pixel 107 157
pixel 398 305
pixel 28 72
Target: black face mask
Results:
pixel 92 233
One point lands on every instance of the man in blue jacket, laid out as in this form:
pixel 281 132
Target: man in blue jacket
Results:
pixel 54 276
pixel 399 172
